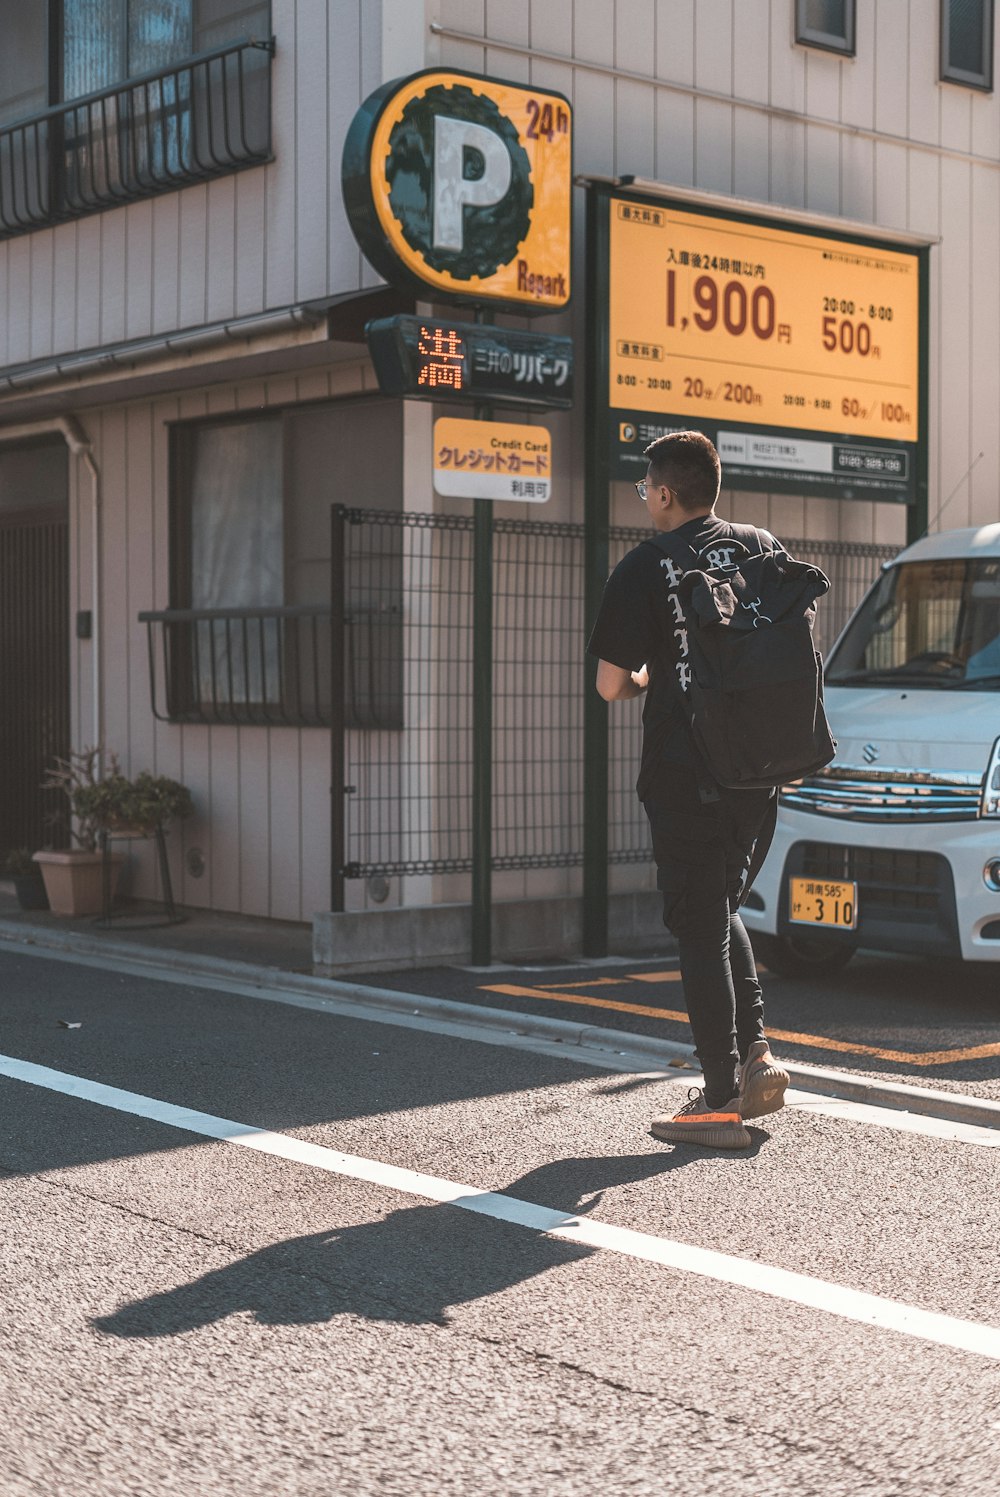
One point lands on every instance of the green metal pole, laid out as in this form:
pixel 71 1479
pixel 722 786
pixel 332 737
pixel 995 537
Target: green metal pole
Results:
pixel 596 481
pixel 482 716
pixel 482 734
pixel 917 517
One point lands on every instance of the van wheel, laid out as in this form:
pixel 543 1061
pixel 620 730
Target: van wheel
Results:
pixel 798 956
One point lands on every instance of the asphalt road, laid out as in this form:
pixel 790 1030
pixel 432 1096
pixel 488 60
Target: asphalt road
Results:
pixel 894 1018
pixel 204 1314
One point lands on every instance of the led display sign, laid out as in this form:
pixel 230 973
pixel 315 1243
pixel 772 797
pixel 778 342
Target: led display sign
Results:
pixel 430 358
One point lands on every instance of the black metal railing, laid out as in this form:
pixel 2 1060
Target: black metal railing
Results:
pixel 264 666
pixel 205 117
pixel 395 654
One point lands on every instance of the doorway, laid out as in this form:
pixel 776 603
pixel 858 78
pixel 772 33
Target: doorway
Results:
pixel 34 638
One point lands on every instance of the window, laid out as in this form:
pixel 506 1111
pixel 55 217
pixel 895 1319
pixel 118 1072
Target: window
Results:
pixel 251 565
pixel 967 43
pixel 828 24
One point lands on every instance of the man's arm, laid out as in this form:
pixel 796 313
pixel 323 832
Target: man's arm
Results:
pixel 615 684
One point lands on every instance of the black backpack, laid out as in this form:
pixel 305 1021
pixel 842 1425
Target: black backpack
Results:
pixel 753 688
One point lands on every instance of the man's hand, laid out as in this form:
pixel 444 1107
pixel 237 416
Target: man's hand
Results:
pixel 615 684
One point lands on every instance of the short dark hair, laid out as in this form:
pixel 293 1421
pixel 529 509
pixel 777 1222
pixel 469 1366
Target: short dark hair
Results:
pixel 687 462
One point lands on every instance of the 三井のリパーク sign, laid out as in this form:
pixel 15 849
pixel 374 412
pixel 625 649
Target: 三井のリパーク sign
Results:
pixel 462 184
pixel 492 460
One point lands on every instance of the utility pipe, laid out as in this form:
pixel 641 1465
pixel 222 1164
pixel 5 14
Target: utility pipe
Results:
pixel 80 445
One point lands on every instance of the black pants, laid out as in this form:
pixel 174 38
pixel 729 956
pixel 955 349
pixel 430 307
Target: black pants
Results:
pixel 703 854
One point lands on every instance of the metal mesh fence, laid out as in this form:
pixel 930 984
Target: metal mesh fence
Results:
pixel 408 584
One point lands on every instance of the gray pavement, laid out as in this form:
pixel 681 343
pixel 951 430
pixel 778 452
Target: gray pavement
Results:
pixel 186 1315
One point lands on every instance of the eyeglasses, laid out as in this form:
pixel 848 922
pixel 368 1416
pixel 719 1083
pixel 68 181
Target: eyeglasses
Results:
pixel 640 489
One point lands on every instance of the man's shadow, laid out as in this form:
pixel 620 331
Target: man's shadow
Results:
pixel 410 1266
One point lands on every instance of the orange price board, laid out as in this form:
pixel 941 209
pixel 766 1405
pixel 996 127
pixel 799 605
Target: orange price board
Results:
pixel 798 351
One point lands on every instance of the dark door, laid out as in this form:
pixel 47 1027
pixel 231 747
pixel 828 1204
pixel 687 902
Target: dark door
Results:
pixel 34 639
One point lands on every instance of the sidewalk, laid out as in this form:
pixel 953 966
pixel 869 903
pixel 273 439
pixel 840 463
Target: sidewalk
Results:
pixel 228 938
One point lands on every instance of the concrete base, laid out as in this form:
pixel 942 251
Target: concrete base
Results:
pixel 441 934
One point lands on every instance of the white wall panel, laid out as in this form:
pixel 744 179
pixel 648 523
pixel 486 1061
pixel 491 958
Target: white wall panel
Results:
pixel 822 170
pixel 788 163
pixel 509 21
pixel 891 192
pixel 922 69
pixel 594 30
pixel 713 146
pixel 857 178
pixel 675 26
pixel 552 27
pixel 751 49
pixel 713 46
pixel 674 139
pixel 891 49
pixel 751 142
pixel 635 133
pixel 139 271
pixel 635 36
pixel 823 74
pixel 857 77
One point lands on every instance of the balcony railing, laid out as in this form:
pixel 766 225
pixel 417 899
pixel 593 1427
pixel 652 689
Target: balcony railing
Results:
pixel 267 666
pixel 205 117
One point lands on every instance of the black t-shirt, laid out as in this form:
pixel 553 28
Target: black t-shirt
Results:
pixel 640 623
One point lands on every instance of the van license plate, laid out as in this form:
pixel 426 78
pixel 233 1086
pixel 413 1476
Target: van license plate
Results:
pixel 820 902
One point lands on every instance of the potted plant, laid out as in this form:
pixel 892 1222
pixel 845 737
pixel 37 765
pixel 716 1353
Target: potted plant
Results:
pixel 29 886
pixel 102 803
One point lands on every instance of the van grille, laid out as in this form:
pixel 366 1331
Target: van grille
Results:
pixel 896 795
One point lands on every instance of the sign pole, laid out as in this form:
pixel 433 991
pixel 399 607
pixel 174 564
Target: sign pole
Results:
pixel 482 720
pixel 595 710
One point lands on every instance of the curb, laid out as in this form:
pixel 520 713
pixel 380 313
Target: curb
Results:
pixel 272 982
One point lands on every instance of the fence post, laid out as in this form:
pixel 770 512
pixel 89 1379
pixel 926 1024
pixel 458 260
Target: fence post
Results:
pixel 596 481
pixel 482 734
pixel 338 775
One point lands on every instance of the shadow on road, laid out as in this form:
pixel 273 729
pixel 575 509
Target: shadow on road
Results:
pixel 409 1267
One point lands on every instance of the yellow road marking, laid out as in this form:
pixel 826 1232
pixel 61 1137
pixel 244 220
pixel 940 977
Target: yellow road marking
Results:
pixel 594 982
pixel 623 1008
pixel 671 976
pixel 791 1037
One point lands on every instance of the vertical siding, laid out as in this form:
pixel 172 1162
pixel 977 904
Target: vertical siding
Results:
pixel 241 244
pixel 744 50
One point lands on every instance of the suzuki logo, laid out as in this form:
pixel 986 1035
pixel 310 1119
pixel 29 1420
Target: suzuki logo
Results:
pixel 869 753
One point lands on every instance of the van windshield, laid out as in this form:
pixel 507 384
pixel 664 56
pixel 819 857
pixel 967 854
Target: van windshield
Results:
pixel 925 623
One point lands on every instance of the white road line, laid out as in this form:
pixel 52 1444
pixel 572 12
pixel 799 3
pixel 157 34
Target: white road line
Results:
pixel 795 1288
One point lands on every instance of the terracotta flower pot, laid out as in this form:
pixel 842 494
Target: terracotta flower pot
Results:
pixel 73 880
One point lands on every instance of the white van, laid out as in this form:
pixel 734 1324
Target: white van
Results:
pixel 896 845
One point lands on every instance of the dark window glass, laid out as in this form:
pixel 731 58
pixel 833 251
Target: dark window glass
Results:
pixel 826 23
pixel 24 65
pixel 967 42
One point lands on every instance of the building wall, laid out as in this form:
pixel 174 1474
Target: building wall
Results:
pixel 714 94
pixel 264 238
pixel 705 93
pixel 262 795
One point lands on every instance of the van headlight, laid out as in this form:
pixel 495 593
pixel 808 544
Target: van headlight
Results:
pixel 990 805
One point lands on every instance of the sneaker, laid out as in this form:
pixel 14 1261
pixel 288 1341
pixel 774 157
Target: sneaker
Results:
pixel 762 1082
pixel 698 1123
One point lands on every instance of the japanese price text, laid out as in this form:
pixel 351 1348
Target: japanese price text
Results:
pixel 733 321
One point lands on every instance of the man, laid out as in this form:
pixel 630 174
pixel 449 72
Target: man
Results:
pixel 703 835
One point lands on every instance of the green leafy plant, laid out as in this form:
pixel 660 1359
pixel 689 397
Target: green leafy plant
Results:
pixel 19 864
pixel 112 802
